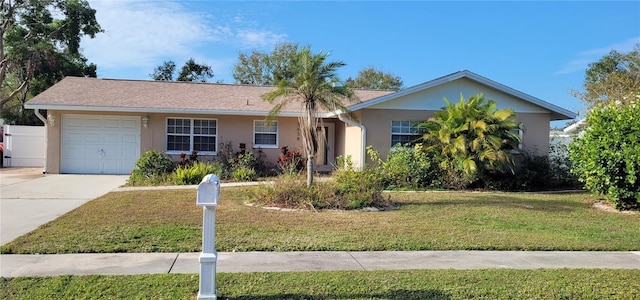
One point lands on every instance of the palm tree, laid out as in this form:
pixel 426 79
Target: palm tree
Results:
pixel 316 87
pixel 473 136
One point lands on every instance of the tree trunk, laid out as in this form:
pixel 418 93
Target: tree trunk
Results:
pixel 309 171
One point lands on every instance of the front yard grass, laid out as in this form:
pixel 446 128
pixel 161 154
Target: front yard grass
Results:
pixel 169 221
pixel 406 284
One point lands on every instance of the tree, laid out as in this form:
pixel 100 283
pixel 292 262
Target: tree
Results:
pixel 265 68
pixel 40 45
pixel 191 71
pixel 315 86
pixel 615 77
pixel 164 72
pixel 370 78
pixel 607 157
pixel 473 137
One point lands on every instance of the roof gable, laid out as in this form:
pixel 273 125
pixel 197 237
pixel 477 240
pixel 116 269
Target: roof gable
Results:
pixel 429 95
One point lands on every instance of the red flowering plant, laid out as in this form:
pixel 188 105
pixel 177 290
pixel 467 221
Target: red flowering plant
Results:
pixel 186 162
pixel 290 162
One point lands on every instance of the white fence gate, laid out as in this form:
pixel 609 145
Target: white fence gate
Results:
pixel 23 146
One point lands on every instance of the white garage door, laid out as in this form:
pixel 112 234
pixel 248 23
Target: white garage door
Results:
pixel 99 144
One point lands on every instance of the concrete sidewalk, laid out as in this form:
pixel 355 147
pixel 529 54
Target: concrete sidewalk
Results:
pixel 163 263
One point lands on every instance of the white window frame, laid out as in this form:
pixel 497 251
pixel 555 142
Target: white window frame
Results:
pixel 277 134
pixel 191 136
pixel 413 130
pixel 520 132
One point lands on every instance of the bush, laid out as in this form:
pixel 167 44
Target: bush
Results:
pixel 290 162
pixel 607 157
pixel 151 166
pixel 194 173
pixel 292 193
pixel 358 189
pixel 534 173
pixel 244 173
pixel 231 161
pixel 348 189
pixel 408 168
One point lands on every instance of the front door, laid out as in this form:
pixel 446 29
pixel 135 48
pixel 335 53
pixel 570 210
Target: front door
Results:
pixel 325 157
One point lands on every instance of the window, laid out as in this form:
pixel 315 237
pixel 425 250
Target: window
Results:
pixel 520 132
pixel 187 135
pixel 405 132
pixel 265 134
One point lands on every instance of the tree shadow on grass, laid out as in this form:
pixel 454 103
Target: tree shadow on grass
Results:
pixel 395 294
pixel 504 201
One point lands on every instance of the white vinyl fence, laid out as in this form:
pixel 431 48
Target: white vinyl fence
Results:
pixel 23 146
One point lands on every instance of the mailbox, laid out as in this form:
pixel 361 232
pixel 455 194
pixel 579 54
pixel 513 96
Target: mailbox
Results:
pixel 208 191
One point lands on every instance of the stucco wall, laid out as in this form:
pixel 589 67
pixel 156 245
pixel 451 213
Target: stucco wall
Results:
pixel 536 132
pixel 234 129
pixel 378 124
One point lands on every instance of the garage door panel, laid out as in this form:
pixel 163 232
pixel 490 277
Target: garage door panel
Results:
pixel 73 151
pixel 83 167
pixel 73 137
pixel 99 144
pixel 130 125
pixel 94 139
pixel 112 124
pixel 129 139
pixel 111 138
pixel 130 154
pixel 93 123
pixel 73 122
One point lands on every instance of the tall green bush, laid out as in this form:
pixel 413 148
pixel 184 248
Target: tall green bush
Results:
pixel 607 157
pixel 473 137
pixel 152 166
pixel 408 167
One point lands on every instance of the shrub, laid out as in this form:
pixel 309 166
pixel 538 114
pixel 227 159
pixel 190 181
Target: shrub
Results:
pixel 152 165
pixel 607 157
pixel 408 168
pixel 193 174
pixel 348 189
pixel 232 161
pixel 243 173
pixel 292 193
pixel 290 162
pixel 358 189
pixel 186 161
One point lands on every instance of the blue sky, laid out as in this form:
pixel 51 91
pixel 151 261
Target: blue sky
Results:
pixel 541 48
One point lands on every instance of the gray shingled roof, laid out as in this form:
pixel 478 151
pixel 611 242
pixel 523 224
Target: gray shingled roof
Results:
pixel 93 94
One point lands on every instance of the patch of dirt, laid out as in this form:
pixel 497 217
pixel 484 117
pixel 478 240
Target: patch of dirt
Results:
pixel 366 209
pixel 606 206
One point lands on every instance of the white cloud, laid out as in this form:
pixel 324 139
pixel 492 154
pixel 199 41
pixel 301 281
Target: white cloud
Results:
pixel 258 39
pixel 586 57
pixel 141 34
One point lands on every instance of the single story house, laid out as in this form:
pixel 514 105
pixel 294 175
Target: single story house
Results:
pixel 101 126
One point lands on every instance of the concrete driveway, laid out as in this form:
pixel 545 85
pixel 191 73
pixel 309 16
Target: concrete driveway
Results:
pixel 29 199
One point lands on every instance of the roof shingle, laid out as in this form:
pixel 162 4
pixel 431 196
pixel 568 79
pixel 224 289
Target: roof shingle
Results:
pixel 78 93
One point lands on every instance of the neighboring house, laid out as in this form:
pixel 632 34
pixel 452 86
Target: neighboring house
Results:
pixel 576 128
pixel 103 125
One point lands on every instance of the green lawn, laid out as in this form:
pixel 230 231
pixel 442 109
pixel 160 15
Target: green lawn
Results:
pixel 414 284
pixel 169 221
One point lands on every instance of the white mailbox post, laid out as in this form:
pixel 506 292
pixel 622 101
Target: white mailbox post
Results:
pixel 207 197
